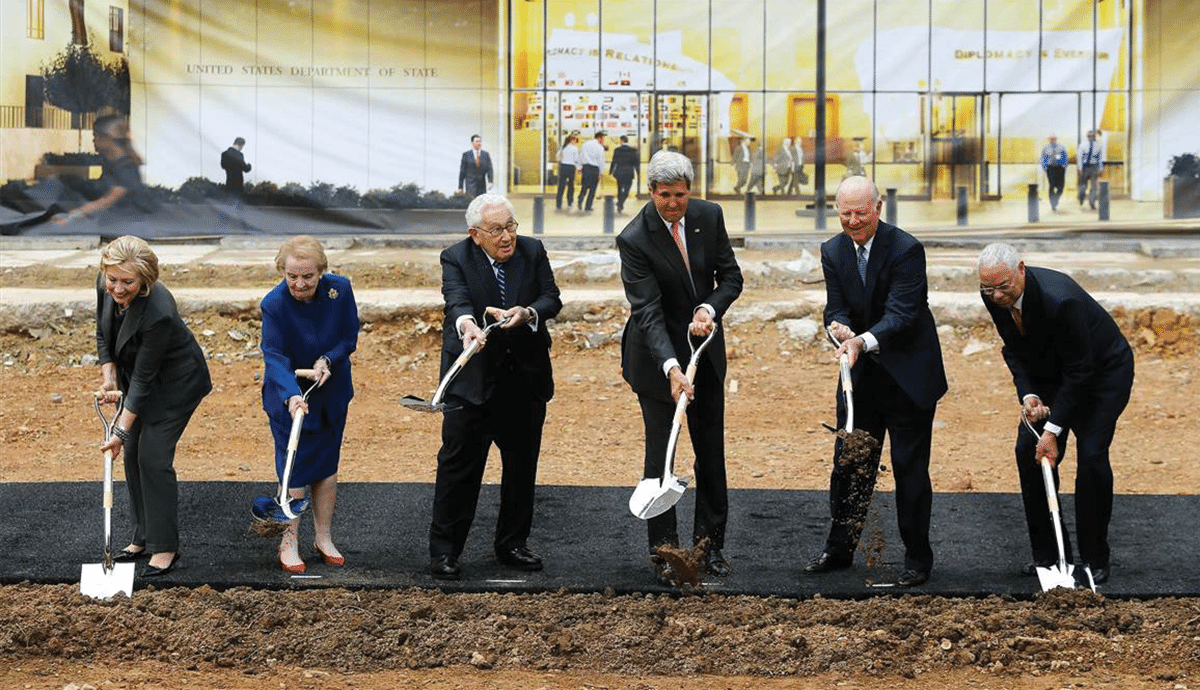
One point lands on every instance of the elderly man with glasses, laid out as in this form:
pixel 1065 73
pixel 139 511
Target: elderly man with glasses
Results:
pixel 500 396
pixel 1073 369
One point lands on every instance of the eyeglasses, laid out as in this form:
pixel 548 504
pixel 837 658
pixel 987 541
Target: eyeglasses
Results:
pixel 496 232
pixel 989 289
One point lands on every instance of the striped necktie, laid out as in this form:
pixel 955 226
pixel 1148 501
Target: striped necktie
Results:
pixel 682 249
pixel 862 264
pixel 500 281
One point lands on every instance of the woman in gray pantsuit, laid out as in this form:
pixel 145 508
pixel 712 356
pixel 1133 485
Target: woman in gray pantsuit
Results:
pixel 147 353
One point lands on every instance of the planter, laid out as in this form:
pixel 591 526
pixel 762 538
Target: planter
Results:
pixel 1181 197
pixel 87 172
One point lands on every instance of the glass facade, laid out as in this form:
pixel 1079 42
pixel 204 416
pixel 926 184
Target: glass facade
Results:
pixel 924 95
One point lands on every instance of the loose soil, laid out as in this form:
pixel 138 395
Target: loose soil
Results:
pixel 781 391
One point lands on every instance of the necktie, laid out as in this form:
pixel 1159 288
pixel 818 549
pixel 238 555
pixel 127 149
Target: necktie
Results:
pixel 1088 160
pixel 682 249
pixel 476 160
pixel 500 281
pixel 862 264
pixel 1016 314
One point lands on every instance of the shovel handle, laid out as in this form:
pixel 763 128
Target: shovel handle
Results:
pixel 306 374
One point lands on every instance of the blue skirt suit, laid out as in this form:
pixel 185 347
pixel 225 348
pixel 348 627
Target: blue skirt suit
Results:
pixel 295 335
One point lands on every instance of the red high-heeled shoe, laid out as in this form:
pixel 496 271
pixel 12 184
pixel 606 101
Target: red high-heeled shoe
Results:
pixel 292 569
pixel 330 560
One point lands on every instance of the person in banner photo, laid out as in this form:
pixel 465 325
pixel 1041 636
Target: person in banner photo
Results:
pixel 591 155
pixel 309 321
pixel 148 356
pixel 625 166
pixel 568 161
pixel 475 169
pixel 235 166
pixel 118 194
pixel 680 277
pixel 1054 164
pixel 499 397
pixel 1090 161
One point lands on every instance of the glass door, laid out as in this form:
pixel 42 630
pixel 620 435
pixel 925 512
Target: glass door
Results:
pixel 955 143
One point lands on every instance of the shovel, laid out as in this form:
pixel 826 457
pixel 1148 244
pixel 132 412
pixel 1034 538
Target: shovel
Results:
pixel 107 579
pixel 655 496
pixel 412 402
pixel 1061 574
pixel 283 508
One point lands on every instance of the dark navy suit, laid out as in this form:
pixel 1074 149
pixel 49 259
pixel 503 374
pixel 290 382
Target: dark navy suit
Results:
pixel 1075 358
pixel 499 396
pixel 895 390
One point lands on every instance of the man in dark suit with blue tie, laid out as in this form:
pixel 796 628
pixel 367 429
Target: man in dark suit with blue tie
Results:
pixel 680 277
pixel 877 306
pixel 500 395
pixel 475 170
pixel 1073 369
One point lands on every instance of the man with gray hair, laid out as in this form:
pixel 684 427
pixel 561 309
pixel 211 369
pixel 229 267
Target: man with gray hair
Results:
pixel 680 277
pixel 500 396
pixel 1073 370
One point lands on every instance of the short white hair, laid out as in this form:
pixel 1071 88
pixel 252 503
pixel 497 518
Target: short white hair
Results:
pixel 1000 254
pixel 668 167
pixel 482 203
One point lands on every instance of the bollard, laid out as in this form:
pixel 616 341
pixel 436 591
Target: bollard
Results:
pixel 1104 200
pixel 1033 203
pixel 891 205
pixel 539 215
pixel 610 213
pixel 749 211
pixel 962 205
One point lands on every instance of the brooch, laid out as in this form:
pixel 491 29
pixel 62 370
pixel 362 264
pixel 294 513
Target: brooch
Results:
pixel 333 293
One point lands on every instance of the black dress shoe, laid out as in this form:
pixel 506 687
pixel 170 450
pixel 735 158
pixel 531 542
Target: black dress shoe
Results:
pixel 715 563
pixel 825 562
pixel 127 556
pixel 912 578
pixel 519 557
pixel 154 571
pixel 444 567
pixel 1030 568
pixel 664 573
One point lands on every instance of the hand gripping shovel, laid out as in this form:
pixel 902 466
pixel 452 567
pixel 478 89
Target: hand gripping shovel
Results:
pixel 412 402
pixel 106 579
pixel 1061 574
pixel 655 496
pixel 283 508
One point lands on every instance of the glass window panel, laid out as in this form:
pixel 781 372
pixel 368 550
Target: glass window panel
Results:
pixel 904 29
pixel 682 56
pixel 850 45
pixel 1013 45
pixel 528 43
pixel 735 167
pixel 1115 16
pixel 849 140
pixel 627 45
pixel 901 146
pixel 573 44
pixel 1026 123
pixel 737 43
pixel 958 51
pixel 791 45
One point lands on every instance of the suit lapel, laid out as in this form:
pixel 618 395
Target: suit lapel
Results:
pixel 514 276
pixel 879 249
pixel 130 324
pixel 660 236
pixel 485 275
pixel 695 246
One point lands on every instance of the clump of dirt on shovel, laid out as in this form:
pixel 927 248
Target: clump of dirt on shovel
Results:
pixel 686 564
pixel 266 528
pixel 857 447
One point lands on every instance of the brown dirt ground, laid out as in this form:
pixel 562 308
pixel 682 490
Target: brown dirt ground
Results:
pixel 50 637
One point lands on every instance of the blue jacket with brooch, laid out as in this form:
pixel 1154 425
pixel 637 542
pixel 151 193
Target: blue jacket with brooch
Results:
pixel 295 335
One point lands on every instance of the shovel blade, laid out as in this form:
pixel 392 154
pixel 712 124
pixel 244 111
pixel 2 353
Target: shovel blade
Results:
pixel 267 508
pixel 653 496
pixel 97 582
pixel 412 402
pixel 1052 577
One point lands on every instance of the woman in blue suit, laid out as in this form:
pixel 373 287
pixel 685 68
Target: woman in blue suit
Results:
pixel 309 321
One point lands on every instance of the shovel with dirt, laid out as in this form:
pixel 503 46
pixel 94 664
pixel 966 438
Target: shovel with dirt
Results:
pixel 1061 574
pixel 271 515
pixel 412 402
pixel 107 578
pixel 654 496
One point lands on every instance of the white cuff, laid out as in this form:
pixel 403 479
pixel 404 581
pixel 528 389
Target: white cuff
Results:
pixel 459 322
pixel 870 342
pixel 1053 428
pixel 668 366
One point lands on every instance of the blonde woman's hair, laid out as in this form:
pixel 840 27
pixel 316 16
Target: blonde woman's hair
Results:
pixel 135 252
pixel 302 247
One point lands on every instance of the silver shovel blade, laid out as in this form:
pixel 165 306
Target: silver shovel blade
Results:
pixel 412 402
pixel 1053 577
pixel 98 583
pixel 653 497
